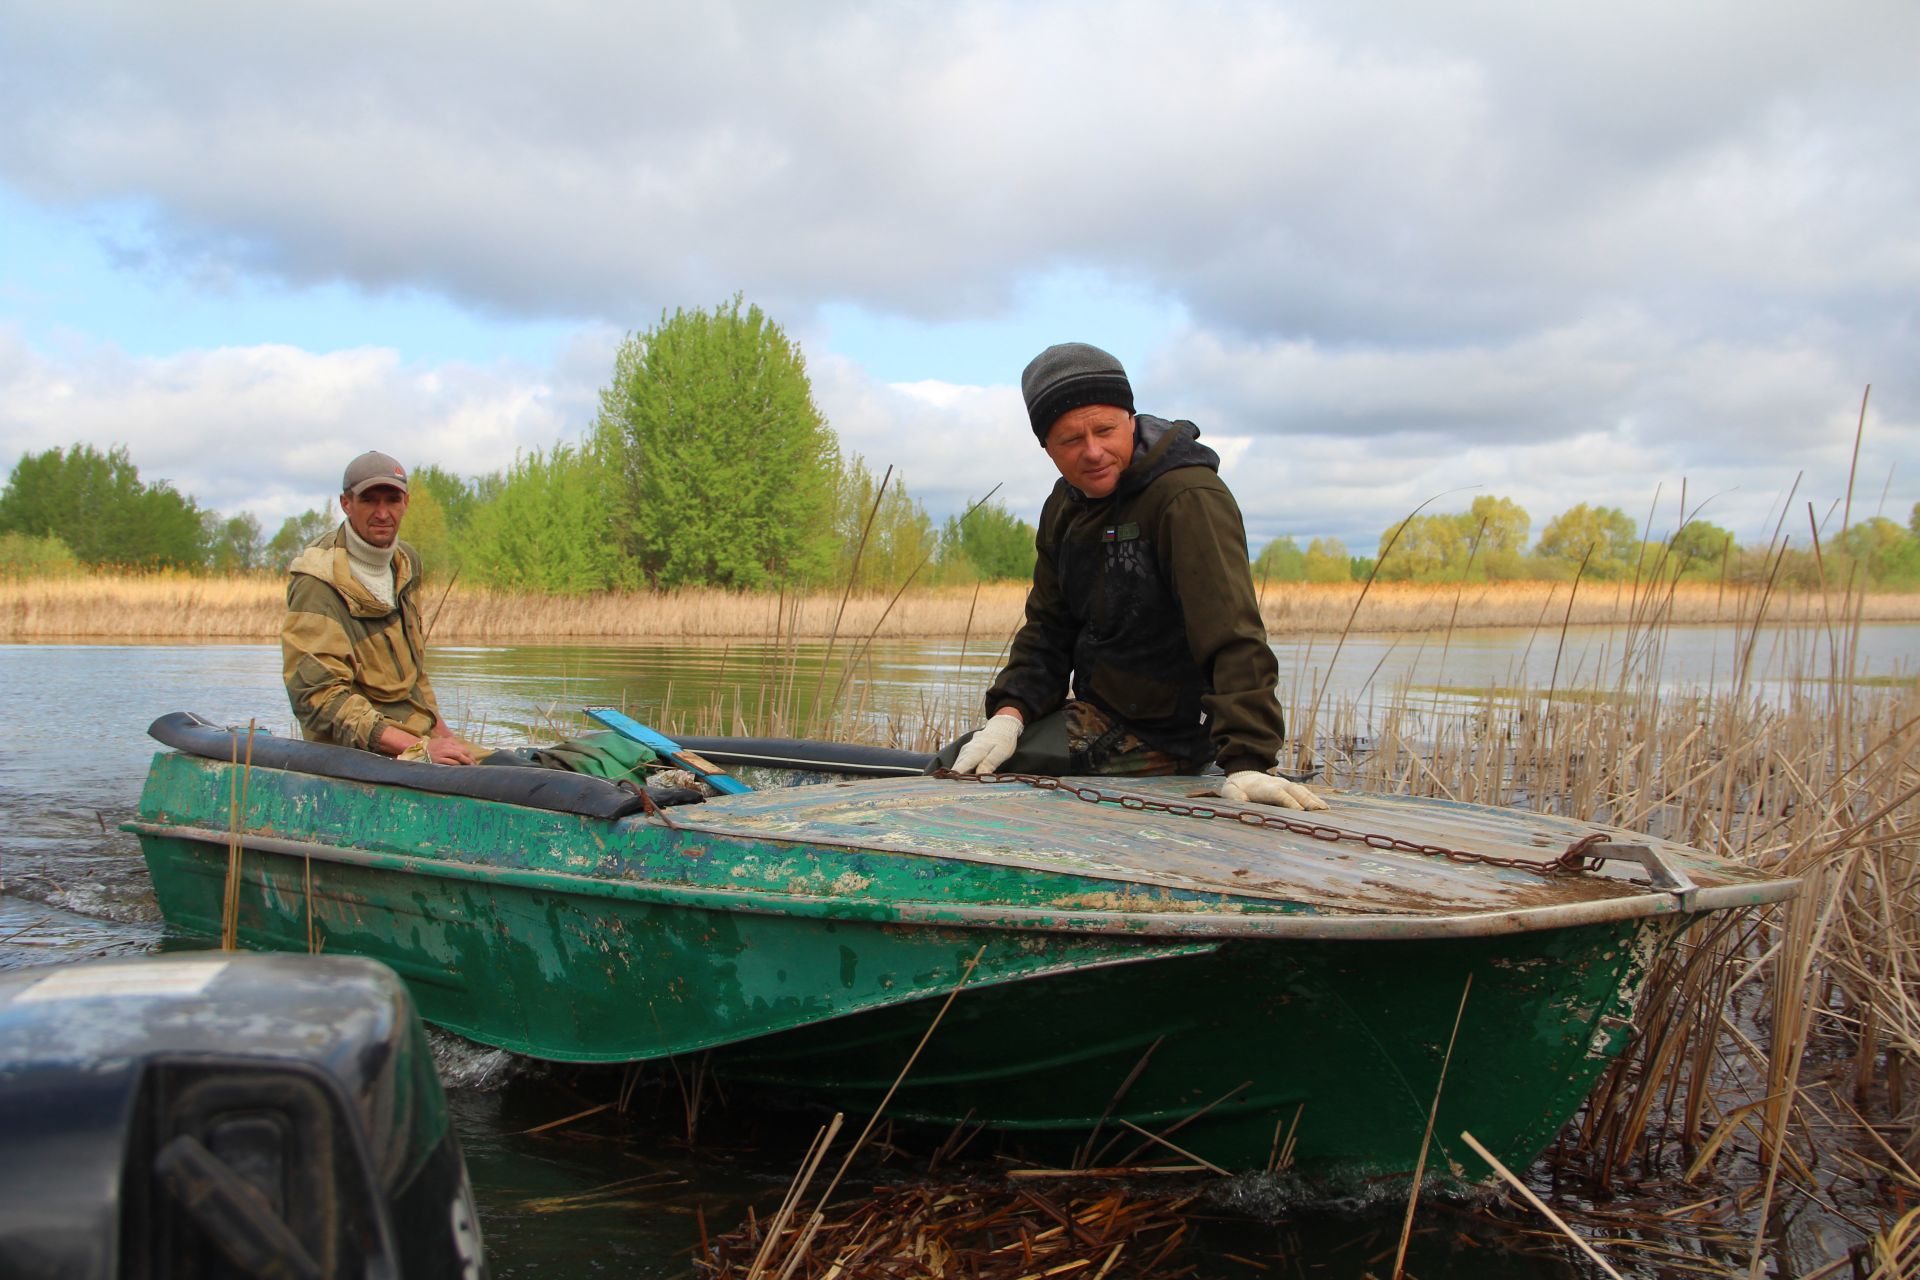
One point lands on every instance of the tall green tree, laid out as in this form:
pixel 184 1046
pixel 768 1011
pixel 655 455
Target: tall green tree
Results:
pixel 889 532
pixel 988 544
pixel 1426 548
pixel 1281 560
pixel 295 532
pixel 1328 561
pixel 455 497
pixel 428 530
pixel 723 468
pixel 99 507
pixel 1606 537
pixel 1503 527
pixel 1507 523
pixel 1699 549
pixel 1485 541
pixel 24 556
pixel 235 544
pixel 1889 553
pixel 545 529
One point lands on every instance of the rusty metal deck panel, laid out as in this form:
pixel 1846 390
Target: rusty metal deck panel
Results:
pixel 1014 825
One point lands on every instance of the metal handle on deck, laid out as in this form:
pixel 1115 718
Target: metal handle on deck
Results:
pixel 1662 874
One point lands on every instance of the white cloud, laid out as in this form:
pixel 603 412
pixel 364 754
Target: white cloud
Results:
pixel 1606 412
pixel 1282 169
pixel 269 428
pixel 948 444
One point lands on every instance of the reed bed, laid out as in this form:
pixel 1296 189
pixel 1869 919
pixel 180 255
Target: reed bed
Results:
pixel 181 608
pixel 1776 1066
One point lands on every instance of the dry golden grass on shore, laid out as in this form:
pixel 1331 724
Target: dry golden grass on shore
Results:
pixel 166 607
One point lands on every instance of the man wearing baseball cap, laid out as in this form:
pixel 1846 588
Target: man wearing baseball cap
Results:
pixel 1143 650
pixel 352 648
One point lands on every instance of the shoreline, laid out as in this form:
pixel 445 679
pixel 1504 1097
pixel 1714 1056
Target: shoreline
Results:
pixel 166 609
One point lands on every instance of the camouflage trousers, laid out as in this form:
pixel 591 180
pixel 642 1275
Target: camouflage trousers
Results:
pixel 1077 740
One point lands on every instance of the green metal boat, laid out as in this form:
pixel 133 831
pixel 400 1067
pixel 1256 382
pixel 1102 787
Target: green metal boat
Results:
pixel 1124 951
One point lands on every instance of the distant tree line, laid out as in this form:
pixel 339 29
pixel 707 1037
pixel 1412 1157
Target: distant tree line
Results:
pixel 1489 543
pixel 709 465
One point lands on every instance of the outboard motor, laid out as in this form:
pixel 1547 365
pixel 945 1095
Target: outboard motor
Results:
pixel 215 1114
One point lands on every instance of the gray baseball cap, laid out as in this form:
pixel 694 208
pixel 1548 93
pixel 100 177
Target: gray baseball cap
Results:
pixel 373 468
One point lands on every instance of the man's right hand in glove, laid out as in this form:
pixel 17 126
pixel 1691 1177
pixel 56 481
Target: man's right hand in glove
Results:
pixel 991 744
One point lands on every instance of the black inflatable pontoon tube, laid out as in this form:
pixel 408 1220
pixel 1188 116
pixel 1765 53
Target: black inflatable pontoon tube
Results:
pixel 554 789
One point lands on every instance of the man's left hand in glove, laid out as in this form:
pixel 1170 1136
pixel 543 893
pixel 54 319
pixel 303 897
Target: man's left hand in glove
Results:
pixel 1252 787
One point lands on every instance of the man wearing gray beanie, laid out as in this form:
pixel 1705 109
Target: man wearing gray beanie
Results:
pixel 1143 651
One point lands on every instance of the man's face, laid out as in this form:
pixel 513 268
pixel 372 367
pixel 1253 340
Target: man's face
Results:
pixel 375 515
pixel 1091 446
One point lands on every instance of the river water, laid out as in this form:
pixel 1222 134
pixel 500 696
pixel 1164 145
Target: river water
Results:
pixel 74 751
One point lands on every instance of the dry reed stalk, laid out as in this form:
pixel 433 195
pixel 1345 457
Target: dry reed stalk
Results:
pixel 867 645
pixel 799 1248
pixel 1157 1140
pixel 612 1195
pixel 1526 1193
pixel 1084 1152
pixel 1453 614
pixel 313 939
pixel 776 1227
pixel 1303 761
pixel 853 574
pixel 567 1120
pixel 1426 1138
pixel 237 781
pixel 1896 1251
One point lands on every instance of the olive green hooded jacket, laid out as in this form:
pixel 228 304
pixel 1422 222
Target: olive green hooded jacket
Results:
pixel 353 665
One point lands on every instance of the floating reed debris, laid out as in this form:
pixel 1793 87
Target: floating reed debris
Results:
pixel 623 1194
pixel 978 1233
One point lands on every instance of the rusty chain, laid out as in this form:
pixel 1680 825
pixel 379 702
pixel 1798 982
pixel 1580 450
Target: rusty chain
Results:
pixel 1574 858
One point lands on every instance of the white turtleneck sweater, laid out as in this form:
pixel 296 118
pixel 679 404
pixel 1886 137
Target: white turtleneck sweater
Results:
pixel 372 565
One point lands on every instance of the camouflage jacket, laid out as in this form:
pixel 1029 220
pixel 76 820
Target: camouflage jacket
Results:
pixel 353 665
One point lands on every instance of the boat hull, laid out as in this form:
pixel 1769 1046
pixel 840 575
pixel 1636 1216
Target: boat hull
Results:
pixel 576 939
pixel 1338 1044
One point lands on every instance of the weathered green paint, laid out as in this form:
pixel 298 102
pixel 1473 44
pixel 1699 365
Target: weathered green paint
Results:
pixel 811 960
pixel 1349 1036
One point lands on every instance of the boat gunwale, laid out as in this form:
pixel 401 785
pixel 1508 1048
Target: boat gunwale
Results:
pixel 1295 925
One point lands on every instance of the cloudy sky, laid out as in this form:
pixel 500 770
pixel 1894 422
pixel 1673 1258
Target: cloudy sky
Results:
pixel 1555 252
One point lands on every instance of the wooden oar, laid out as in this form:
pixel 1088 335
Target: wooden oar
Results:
pixel 626 726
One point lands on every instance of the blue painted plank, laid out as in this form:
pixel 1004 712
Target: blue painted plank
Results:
pixel 627 726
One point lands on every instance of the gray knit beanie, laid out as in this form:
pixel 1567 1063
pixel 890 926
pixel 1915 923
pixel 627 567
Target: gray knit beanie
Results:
pixel 1067 376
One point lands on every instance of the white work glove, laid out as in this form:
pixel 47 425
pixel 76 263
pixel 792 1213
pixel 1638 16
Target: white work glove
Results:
pixel 1252 787
pixel 990 745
